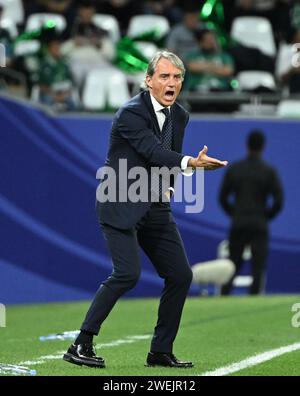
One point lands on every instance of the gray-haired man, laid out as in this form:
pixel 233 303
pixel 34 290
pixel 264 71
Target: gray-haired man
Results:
pixel 147 132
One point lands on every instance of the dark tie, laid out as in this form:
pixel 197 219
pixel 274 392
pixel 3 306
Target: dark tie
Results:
pixel 166 140
pixel 167 133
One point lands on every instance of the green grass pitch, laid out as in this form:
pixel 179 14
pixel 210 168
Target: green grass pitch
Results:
pixel 214 333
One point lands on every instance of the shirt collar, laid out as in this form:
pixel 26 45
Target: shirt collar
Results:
pixel 157 106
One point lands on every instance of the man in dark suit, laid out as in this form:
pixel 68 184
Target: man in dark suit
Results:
pixel 244 195
pixel 147 132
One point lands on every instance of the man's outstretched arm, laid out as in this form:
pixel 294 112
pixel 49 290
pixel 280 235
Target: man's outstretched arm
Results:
pixel 203 161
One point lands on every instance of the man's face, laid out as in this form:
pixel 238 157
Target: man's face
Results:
pixel 54 49
pixel 208 42
pixel 86 14
pixel 166 82
pixel 191 20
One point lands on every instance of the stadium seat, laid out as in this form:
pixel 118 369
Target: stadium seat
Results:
pixel 105 87
pixel 289 108
pixel 13 9
pixel 118 92
pixel 36 21
pixel 254 32
pixel 140 24
pixel 109 23
pixel 146 48
pixel 251 80
pixel 10 26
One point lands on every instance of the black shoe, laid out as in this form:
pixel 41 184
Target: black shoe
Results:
pixel 166 360
pixel 84 354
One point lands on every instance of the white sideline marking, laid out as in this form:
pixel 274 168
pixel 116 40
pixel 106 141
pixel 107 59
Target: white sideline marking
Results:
pixel 251 361
pixel 222 371
pixel 59 354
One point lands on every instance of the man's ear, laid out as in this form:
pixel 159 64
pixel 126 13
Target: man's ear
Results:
pixel 149 82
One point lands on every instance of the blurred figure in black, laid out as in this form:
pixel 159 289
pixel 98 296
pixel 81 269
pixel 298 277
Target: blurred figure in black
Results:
pixel 244 195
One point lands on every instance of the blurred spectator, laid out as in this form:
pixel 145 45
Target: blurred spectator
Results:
pixel 244 196
pixel 55 79
pixel 166 8
pixel 289 72
pixel 84 31
pixel 123 10
pixel 90 46
pixel 295 15
pixel 181 39
pixel 209 68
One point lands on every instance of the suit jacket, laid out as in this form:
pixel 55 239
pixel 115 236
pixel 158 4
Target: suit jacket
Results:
pixel 251 182
pixel 135 137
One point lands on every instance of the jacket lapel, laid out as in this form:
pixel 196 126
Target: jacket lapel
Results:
pixel 148 103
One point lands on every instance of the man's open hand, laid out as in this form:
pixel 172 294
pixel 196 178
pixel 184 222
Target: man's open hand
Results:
pixel 203 161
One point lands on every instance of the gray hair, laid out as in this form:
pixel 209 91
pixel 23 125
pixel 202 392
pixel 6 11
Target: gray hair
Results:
pixel 170 56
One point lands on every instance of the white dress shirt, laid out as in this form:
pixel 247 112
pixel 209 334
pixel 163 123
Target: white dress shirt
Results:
pixel 186 170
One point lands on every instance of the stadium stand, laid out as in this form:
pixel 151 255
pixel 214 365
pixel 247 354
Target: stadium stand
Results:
pixel 254 39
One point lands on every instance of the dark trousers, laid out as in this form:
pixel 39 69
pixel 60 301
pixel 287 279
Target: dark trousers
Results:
pixel 158 236
pixel 258 241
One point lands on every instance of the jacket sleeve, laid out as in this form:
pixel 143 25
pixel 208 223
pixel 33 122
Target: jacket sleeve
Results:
pixel 132 126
